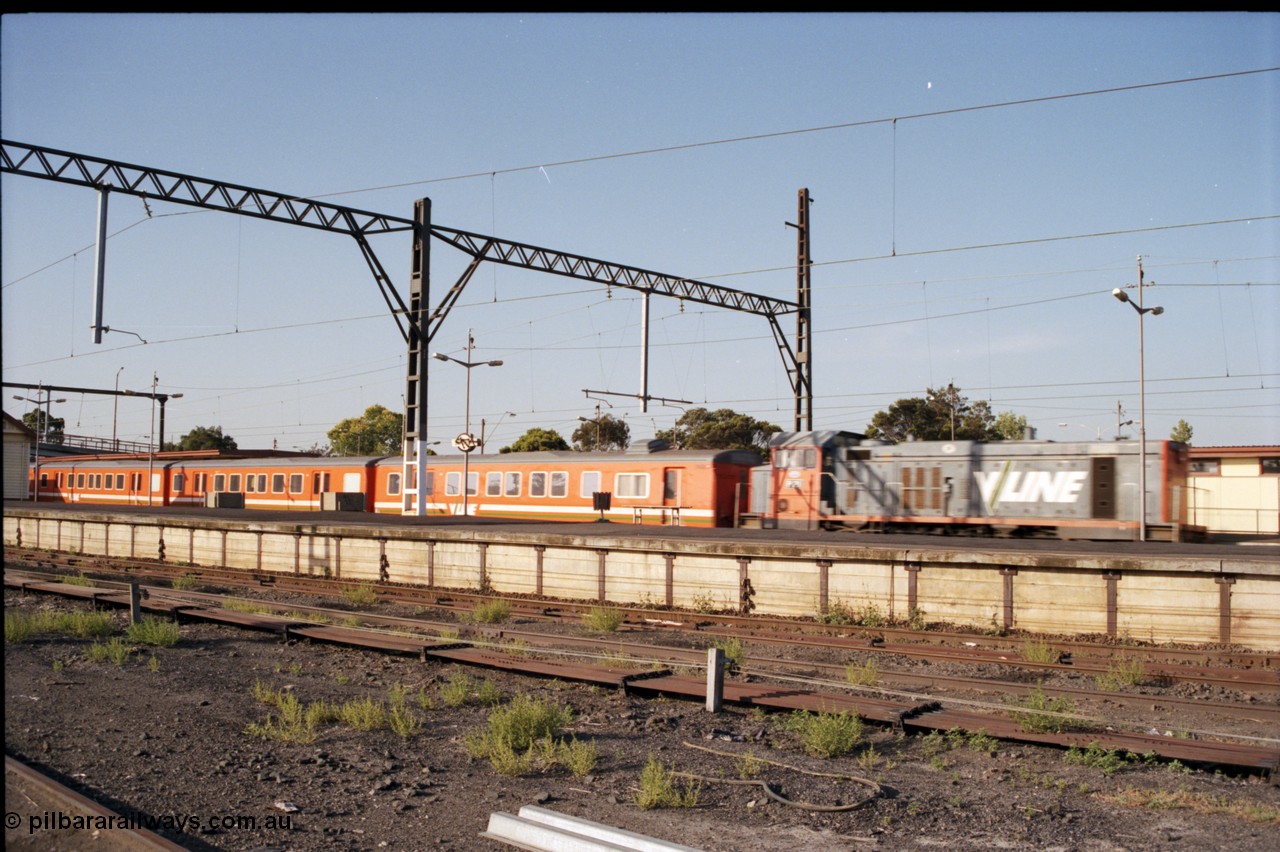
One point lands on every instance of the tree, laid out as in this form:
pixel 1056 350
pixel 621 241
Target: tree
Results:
pixel 204 438
pixel 1009 426
pixel 35 421
pixel 603 434
pixel 942 415
pixel 378 432
pixel 536 439
pixel 1181 433
pixel 723 429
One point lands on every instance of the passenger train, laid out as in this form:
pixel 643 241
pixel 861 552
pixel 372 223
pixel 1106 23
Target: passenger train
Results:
pixel 824 479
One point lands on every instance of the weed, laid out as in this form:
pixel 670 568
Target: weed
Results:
pixel 238 605
pixel 159 632
pixel 1177 767
pixel 979 741
pixel 115 651
pixel 292 725
pixel 1120 674
pixel 491 612
pixel 913 809
pixel 826 734
pixel 264 693
pixel 363 714
pixel 488 694
pixel 154 663
pixel 1039 714
pixel 839 613
pixel 603 620
pixel 734 653
pixel 749 766
pixel 1201 803
pixel 186 582
pixel 915 619
pixel 867 674
pixel 423 700
pixel 1109 760
pixel 522 735
pixel 58 665
pixel 704 603
pixel 525 719
pixel 658 790
pixel 360 595
pixel 78 580
pixel 1036 651
pixel 321 713
pixel 940 763
pixel 869 758
pixel 402 721
pixel 933 744
pixel 88 624
pixel 457 690
pixel 449 635
pixel 758 714
pixel 18 627
pixel 352 621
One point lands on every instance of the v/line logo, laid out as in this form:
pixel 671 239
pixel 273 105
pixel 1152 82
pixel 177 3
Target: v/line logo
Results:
pixel 1029 486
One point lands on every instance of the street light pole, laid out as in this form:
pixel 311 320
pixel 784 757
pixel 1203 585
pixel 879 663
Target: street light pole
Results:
pixel 466 442
pixel 115 413
pixel 42 420
pixel 1155 310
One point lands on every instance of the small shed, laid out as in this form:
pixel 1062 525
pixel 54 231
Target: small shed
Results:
pixel 18 444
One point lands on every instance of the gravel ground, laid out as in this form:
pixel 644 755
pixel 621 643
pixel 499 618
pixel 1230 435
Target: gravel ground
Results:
pixel 164 735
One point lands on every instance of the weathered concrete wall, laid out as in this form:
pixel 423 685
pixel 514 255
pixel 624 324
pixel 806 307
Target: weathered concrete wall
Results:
pixel 1156 598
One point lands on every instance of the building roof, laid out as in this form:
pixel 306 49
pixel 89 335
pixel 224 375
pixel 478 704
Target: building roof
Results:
pixel 14 423
pixel 1235 452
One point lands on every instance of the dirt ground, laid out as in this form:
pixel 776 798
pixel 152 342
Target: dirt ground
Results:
pixel 164 736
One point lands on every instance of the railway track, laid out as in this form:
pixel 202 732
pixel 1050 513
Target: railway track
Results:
pixel 1229 668
pixel 911 713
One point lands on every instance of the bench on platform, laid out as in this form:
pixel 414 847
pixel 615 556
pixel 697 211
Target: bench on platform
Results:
pixel 666 514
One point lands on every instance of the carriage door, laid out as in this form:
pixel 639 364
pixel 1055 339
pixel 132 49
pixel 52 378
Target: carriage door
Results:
pixel 319 485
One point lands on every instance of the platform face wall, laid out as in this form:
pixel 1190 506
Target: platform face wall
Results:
pixel 1159 600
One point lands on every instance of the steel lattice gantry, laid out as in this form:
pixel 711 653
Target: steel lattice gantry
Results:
pixel 417 321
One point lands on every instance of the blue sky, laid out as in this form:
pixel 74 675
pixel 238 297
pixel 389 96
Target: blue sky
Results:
pixel 975 239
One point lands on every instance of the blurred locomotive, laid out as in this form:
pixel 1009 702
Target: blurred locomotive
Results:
pixel 822 479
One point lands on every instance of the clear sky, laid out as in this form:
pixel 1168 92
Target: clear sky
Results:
pixel 981 184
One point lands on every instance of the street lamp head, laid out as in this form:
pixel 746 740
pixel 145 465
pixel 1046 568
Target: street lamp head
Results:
pixel 1120 294
pixel 439 356
pixel 1156 311
pixel 495 363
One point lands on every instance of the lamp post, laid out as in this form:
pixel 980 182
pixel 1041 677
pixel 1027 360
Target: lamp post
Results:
pixel 466 442
pixel 42 418
pixel 1155 310
pixel 115 413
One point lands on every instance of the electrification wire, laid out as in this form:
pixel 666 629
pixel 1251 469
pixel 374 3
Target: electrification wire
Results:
pixel 800 131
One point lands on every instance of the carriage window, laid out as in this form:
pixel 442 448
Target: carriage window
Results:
pixel 219 482
pixel 135 481
pixel 295 483
pixel 493 485
pixel 277 483
pixel 513 484
pixel 631 484
pixel 233 482
pixel 320 483
pixel 589 484
pixel 44 479
pixel 119 481
pixel 178 481
pixel 250 484
pixel 262 483
pixel 393 484
pixel 79 480
pixel 537 485
pixel 431 484
pixel 473 484
pixel 559 483
pixel 452 484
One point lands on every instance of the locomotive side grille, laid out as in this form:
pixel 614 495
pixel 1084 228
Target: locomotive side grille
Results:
pixel 1103 490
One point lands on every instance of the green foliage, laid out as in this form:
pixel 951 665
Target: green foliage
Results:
pixel 78 580
pixel 363 714
pixel 942 415
pixel 1120 674
pixel 536 440
pixel 360 595
pixel 18 627
pixel 826 734
pixel 377 432
pixel 35 421
pixel 734 653
pixel 525 719
pixel 522 735
pixel 602 619
pixel 186 582
pixel 1036 651
pixel 1109 760
pixel 115 651
pixel 867 674
pixel 1009 427
pixel 659 790
pixel 160 632
pixel 1181 433
pixel 204 438
pixel 602 434
pixel 1039 714
pixel 491 612
pixel 292 724
pixel 723 429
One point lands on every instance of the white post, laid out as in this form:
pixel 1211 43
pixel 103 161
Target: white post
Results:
pixel 715 679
